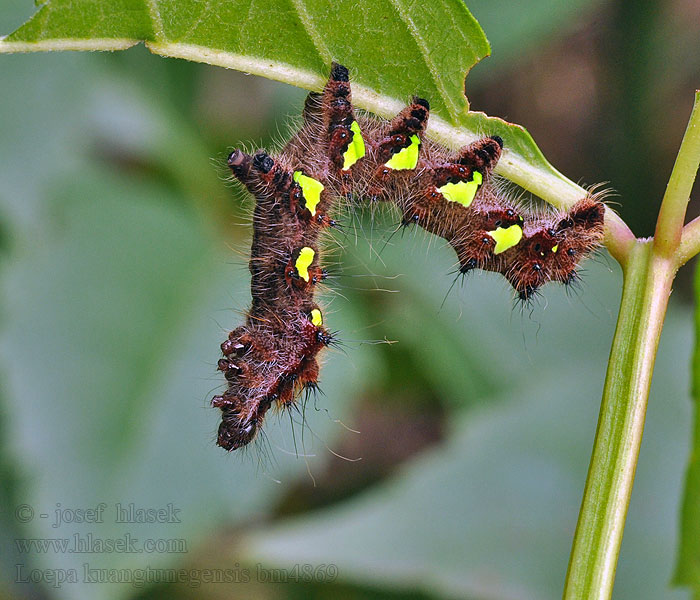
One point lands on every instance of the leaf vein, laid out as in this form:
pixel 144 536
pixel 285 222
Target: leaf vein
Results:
pixel 316 38
pixel 425 53
pixel 156 19
pixel 197 22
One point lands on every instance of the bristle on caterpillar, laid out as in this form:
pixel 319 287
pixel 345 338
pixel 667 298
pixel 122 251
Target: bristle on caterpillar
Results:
pixel 271 359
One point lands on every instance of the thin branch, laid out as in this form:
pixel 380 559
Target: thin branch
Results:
pixel 690 242
pixel 669 228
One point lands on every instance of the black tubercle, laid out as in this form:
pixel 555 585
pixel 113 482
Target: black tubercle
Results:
pixel 422 101
pixel 339 73
pixel 470 263
pixel 263 162
pixel 324 337
pixel 527 294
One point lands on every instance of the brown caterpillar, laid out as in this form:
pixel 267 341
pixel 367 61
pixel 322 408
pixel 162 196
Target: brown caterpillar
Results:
pixel 272 357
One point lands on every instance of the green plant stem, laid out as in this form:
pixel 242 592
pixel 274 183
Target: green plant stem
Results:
pixel 669 227
pixel 690 242
pixel 620 425
pixel 649 271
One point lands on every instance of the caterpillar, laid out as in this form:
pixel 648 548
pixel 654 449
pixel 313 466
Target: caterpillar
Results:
pixel 339 154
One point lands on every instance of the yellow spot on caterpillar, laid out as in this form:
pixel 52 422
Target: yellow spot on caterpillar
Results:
pixel 555 248
pixel 311 188
pixel 316 317
pixel 462 192
pixel 306 257
pixel 407 158
pixel 356 149
pixel 506 238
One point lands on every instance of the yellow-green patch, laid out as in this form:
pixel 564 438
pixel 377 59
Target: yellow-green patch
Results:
pixel 462 192
pixel 356 149
pixel 306 257
pixel 506 237
pixel 555 248
pixel 407 158
pixel 316 317
pixel 311 188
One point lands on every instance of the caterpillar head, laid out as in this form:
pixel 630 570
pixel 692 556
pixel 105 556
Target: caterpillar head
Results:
pixel 234 433
pixel 240 419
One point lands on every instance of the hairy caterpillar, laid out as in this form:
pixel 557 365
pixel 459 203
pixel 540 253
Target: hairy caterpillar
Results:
pixel 336 154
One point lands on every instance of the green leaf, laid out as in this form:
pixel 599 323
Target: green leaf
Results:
pixel 307 37
pixel 26 116
pixel 688 562
pixel 394 48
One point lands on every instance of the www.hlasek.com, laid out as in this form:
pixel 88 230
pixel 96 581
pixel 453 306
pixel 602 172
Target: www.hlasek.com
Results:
pixel 301 573
pixel 90 544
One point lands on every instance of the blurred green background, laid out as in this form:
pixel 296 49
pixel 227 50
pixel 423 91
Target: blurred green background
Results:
pixel 448 464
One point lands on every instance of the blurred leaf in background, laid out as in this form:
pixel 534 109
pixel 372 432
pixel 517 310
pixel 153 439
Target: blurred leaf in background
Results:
pixel 688 561
pixel 124 264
